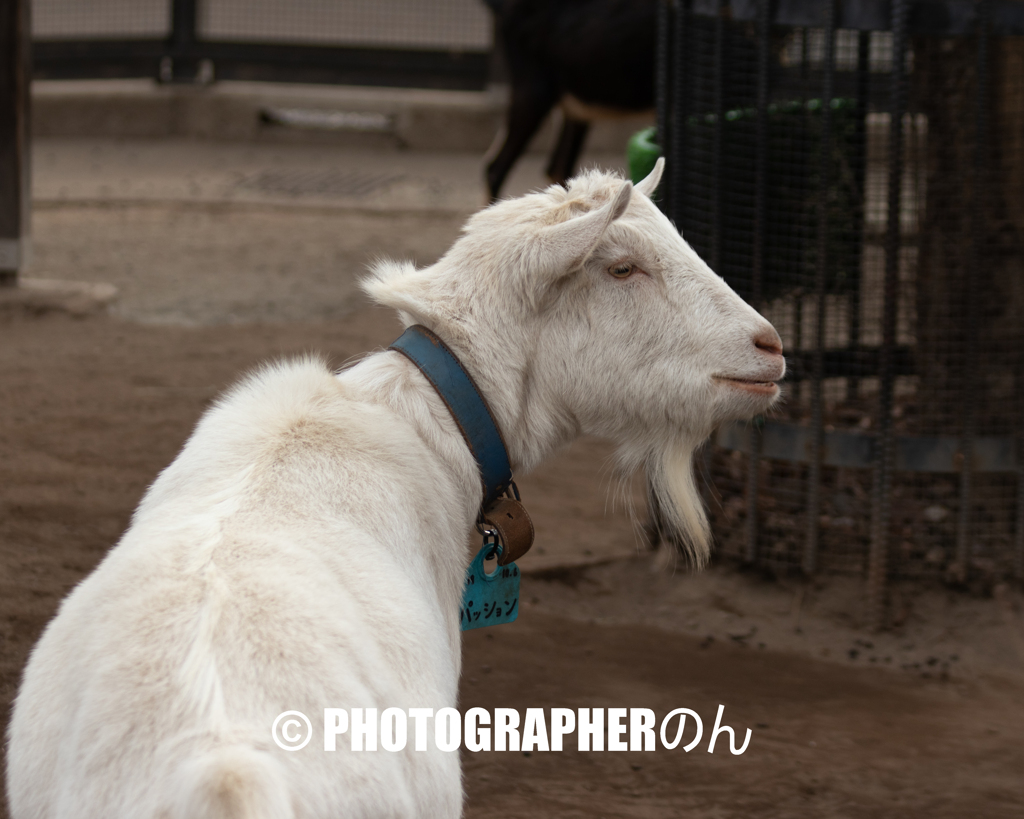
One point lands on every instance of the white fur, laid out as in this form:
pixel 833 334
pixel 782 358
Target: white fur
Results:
pixel 307 547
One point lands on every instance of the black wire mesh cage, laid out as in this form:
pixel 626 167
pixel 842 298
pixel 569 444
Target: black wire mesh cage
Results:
pixel 856 171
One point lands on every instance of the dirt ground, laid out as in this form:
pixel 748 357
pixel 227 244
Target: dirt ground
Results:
pixel 924 722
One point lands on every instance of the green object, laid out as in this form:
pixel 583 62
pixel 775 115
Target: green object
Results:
pixel 642 152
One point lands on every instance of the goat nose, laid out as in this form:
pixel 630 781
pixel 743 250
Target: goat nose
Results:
pixel 768 340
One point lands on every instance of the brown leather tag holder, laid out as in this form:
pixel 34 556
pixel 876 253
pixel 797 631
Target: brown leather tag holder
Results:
pixel 511 522
pixel 503 520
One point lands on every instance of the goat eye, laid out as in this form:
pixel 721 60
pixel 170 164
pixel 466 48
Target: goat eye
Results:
pixel 621 271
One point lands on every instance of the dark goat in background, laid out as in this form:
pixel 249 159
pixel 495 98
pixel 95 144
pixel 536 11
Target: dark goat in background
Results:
pixel 590 56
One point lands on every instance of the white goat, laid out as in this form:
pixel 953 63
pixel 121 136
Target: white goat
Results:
pixel 307 548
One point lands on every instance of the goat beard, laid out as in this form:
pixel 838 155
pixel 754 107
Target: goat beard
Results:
pixel 675 506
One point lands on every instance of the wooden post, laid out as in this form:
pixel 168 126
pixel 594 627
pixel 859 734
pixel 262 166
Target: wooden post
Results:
pixel 15 193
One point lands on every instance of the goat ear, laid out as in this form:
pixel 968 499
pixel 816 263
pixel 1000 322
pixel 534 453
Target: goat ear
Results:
pixel 401 286
pixel 571 242
pixel 649 184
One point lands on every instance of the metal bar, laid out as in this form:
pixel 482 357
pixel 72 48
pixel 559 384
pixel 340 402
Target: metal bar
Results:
pixel 662 89
pixel 843 362
pixel 15 189
pixel 266 62
pixel 932 18
pixel 467 70
pixel 881 501
pixel 761 151
pixel 764 23
pixel 753 481
pixel 677 156
pixel 183 25
pixel 718 132
pixel 180 64
pixel 810 557
pixel 798 295
pixel 1018 550
pixel 796 385
pixel 805 59
pixel 860 169
pixel 1018 534
pixel 793 443
pixel 969 377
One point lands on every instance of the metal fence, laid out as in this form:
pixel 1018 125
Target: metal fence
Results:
pixel 856 171
pixel 415 43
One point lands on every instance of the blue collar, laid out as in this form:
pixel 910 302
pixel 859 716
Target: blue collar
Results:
pixel 467 406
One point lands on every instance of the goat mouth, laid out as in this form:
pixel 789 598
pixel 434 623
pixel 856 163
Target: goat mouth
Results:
pixel 756 387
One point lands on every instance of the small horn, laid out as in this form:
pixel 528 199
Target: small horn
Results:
pixel 649 184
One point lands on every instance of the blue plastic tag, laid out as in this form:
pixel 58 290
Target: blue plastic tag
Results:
pixel 489 599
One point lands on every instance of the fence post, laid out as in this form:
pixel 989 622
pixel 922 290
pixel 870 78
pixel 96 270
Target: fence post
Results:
pixel 881 502
pixel 662 92
pixel 970 365
pixel 860 169
pixel 15 191
pixel 679 106
pixel 717 140
pixel 1018 533
pixel 181 64
pixel 764 25
pixel 810 556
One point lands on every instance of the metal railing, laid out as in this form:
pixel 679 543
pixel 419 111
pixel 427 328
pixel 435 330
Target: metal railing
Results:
pixel 440 44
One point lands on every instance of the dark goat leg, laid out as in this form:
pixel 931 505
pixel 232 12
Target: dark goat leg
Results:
pixel 567 150
pixel 530 105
